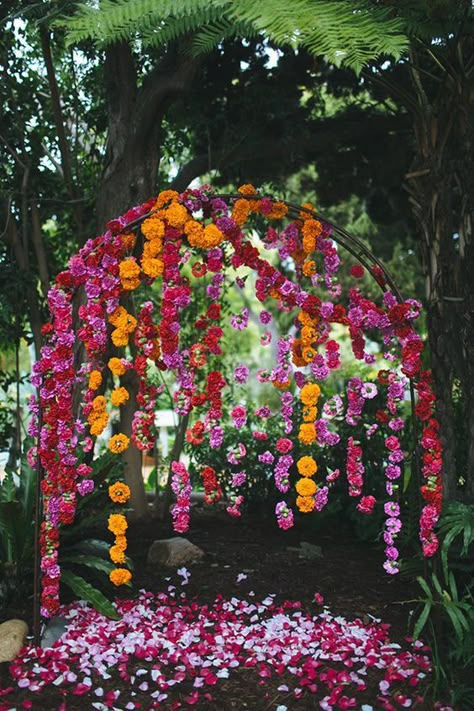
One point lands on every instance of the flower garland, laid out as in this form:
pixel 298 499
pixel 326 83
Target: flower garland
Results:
pixel 175 229
pixel 119 493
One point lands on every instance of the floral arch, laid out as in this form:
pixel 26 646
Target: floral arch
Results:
pixel 199 235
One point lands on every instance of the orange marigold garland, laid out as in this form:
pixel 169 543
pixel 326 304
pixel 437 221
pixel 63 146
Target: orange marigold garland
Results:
pixel 119 493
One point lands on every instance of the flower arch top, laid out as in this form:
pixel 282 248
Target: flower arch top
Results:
pixel 198 235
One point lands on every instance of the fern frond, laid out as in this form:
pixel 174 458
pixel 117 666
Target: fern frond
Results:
pixel 344 31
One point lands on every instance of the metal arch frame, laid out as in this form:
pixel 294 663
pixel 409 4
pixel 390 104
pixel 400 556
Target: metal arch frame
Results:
pixel 349 242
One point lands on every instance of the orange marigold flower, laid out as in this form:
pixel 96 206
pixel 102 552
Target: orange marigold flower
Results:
pixel 281 384
pixel 121 541
pixel 118 396
pixel 95 380
pixel 309 243
pixel 247 189
pixel 309 267
pixel 119 337
pixel 240 211
pixel 128 242
pixel 176 215
pixel 310 393
pixel 119 492
pixel 308 353
pixel 307 433
pixel 306 215
pixel 98 423
pixel 116 366
pixel 120 576
pixel 117 315
pixel 152 249
pixel 117 524
pixel 310 413
pixel 117 555
pixel 153 228
pixel 127 322
pixel 306 466
pixel 166 196
pixel 118 443
pixel 212 236
pixel 129 269
pixel 305 319
pixel 153 267
pixel 306 487
pixel 99 403
pixel 308 335
pixel 305 504
pixel 279 210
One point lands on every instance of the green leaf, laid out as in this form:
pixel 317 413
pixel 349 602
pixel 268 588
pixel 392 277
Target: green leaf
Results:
pixel 457 619
pixel 424 585
pixel 89 561
pixel 421 622
pixel 86 591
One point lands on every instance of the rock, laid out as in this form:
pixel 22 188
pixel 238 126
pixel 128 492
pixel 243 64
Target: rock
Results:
pixel 12 639
pixel 55 628
pixel 173 552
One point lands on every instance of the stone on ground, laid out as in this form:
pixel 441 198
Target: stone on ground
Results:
pixel 173 552
pixel 12 639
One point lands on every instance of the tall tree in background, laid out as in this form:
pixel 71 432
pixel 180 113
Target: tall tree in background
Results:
pixel 434 81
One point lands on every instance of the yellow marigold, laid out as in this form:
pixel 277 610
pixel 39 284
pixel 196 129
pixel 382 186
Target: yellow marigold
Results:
pixel 118 396
pixel 152 249
pixel 95 380
pixel 117 555
pixel 153 228
pixel 308 335
pixel 310 393
pixel 119 338
pixel 117 524
pixel 310 413
pixel 119 492
pixel 98 423
pixel 120 576
pixel 117 315
pixel 307 433
pixel 153 267
pixel 118 443
pixel 279 210
pixel 306 466
pixel 126 322
pixel 99 403
pixel 306 487
pixel 247 189
pixel 121 541
pixel 309 267
pixel 240 211
pixel 116 366
pixel 165 197
pixel 305 504
pixel 308 353
pixel 177 215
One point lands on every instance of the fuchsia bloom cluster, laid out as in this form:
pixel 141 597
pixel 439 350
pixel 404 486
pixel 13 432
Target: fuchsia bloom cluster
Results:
pixel 207 236
pixel 165 643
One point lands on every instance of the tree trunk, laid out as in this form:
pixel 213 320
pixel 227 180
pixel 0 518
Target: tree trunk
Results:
pixel 440 184
pixel 130 177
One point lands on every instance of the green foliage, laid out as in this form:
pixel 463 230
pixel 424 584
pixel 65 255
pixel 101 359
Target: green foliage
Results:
pixel 345 32
pixel 85 591
pixel 447 606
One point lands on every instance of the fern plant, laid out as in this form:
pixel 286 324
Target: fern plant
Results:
pixel 346 32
